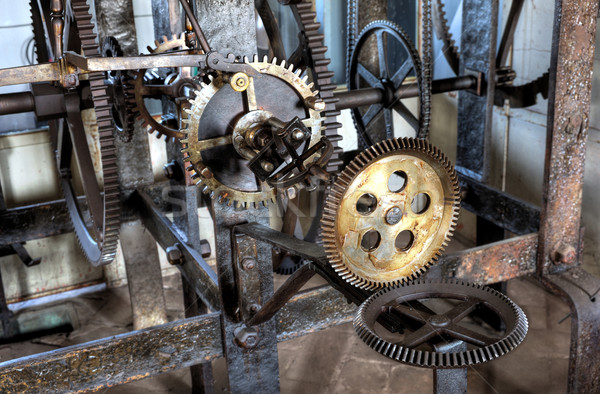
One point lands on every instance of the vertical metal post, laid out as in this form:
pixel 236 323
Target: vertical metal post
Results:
pixel 450 381
pixel 569 100
pixel 559 245
pixel 246 281
pixel 478 55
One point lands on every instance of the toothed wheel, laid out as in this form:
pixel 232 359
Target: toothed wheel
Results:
pixel 437 314
pixel 390 213
pixel 226 128
pixel 149 88
pixel 120 89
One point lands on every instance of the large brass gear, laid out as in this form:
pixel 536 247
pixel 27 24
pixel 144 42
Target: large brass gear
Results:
pixel 390 213
pixel 260 104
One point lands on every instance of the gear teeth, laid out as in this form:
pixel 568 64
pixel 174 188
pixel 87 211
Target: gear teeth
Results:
pixel 246 59
pixel 265 59
pixel 514 318
pixel 337 193
pixel 274 61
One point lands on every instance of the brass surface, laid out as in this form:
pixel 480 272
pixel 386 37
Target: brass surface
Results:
pixel 363 203
pixel 194 146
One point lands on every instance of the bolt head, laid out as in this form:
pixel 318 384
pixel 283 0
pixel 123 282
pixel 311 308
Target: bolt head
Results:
pixel 174 255
pixel 248 263
pixel 246 337
pixel 564 254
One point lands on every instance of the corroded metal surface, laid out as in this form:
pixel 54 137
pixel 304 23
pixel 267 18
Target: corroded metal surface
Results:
pixel 313 311
pixel 568 121
pixel 390 213
pixel 491 263
pixel 116 360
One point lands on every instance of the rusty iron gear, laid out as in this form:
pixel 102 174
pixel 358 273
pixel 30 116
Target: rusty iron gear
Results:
pixel 390 213
pixel 255 106
pixel 445 323
pixel 99 238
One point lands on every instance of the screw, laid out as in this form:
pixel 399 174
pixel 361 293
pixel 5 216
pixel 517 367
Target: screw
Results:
pixel 393 216
pixel 240 82
pixel 248 263
pixel 564 254
pixel 174 255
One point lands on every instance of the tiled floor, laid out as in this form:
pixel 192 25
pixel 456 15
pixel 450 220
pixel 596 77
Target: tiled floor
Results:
pixel 335 360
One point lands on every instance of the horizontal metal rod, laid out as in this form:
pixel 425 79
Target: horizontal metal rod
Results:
pixel 193 268
pixel 370 96
pixel 134 62
pixel 29 74
pixel 141 354
pixel 14 103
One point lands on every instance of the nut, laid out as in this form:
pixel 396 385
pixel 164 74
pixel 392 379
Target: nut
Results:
pixel 248 263
pixel 254 308
pixel 174 255
pixel 246 337
pixel 292 192
pixel 299 135
pixel 205 249
pixel 564 254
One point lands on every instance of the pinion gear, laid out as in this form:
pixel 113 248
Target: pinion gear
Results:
pixel 390 213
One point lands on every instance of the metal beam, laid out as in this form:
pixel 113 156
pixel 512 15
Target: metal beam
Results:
pixel 193 268
pixel 500 208
pixel 34 222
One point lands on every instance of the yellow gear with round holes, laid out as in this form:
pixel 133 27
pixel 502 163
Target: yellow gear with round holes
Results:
pixel 390 213
pixel 239 126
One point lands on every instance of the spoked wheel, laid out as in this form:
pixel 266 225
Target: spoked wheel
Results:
pixel 398 60
pixel 437 314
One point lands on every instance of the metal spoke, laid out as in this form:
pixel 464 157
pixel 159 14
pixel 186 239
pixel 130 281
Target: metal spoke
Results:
pixel 408 311
pixel 419 336
pixel 469 336
pixel 367 76
pixel 389 123
pixel 402 72
pixel 462 310
pixel 215 142
pixel 382 52
pixel 406 114
pixel 371 114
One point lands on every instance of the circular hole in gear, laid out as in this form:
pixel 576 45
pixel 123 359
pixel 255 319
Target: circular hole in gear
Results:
pixel 397 181
pixel 420 203
pixel 370 241
pixel 366 204
pixel 404 240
